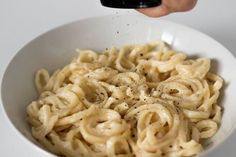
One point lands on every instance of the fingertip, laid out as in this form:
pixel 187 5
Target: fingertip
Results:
pixel 155 11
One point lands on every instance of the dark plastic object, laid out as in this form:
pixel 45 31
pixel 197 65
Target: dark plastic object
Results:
pixel 128 4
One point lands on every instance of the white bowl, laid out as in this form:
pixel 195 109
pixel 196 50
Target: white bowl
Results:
pixel 55 49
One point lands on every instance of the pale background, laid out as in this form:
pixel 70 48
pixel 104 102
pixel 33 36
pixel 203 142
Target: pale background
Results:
pixel 23 20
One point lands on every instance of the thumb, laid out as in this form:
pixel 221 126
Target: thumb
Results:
pixel 161 10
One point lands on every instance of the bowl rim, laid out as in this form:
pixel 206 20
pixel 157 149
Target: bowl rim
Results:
pixel 45 151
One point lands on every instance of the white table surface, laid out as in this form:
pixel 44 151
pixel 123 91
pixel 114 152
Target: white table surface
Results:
pixel 23 20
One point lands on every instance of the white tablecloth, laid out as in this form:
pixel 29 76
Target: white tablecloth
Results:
pixel 23 20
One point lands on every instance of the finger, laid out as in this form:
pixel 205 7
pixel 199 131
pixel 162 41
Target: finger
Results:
pixel 180 5
pixel 161 10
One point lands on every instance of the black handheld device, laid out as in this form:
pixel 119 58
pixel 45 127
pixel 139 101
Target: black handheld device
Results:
pixel 131 3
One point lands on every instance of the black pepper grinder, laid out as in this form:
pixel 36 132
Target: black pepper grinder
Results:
pixel 128 4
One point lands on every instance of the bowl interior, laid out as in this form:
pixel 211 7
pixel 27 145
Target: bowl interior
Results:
pixel 56 48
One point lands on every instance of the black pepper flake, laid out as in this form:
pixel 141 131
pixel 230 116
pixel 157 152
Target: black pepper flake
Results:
pixel 81 118
pixel 145 74
pixel 133 135
pixel 181 147
pixel 141 54
pixel 163 154
pixel 170 146
pixel 177 110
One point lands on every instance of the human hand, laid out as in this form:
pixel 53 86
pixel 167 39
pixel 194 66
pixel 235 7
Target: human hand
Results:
pixel 169 6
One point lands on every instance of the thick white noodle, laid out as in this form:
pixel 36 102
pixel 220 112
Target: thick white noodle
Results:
pixel 142 100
